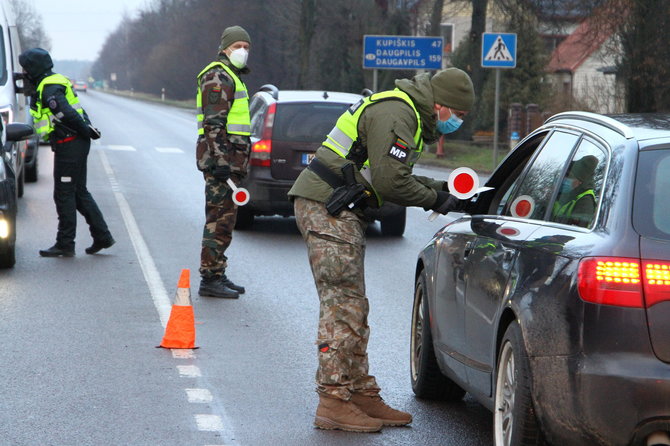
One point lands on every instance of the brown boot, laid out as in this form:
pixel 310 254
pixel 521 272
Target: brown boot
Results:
pixel 375 407
pixel 334 413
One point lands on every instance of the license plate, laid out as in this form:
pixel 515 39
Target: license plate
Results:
pixel 307 158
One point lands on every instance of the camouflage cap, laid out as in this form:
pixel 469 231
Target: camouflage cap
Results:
pixel 231 35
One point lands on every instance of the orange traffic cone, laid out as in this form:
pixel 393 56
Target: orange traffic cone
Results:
pixel 180 329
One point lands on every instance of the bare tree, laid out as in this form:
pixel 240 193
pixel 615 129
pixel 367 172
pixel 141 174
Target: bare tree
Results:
pixel 30 26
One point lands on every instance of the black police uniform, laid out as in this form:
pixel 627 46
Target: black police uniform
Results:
pixel 70 142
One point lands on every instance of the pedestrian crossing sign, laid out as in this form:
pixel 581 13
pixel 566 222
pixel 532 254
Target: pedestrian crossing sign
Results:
pixel 498 50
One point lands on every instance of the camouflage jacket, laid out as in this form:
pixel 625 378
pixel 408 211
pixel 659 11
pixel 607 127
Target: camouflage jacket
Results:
pixel 382 127
pixel 216 147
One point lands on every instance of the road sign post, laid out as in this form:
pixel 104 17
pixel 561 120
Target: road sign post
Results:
pixel 498 51
pixel 401 53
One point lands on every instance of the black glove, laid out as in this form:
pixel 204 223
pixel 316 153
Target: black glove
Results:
pixel 221 173
pixel 94 133
pixel 446 203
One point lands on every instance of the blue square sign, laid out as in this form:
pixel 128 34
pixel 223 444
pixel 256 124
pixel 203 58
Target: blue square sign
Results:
pixel 499 50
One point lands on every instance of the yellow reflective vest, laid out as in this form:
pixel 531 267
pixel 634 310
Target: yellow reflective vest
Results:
pixel 44 119
pixel 345 133
pixel 238 121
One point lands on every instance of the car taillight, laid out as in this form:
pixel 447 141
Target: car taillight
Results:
pixel 261 151
pixel 620 281
pixel 656 282
pixel 610 281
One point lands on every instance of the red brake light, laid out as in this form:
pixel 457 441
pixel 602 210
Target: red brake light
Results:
pixel 261 150
pixel 656 282
pixel 611 281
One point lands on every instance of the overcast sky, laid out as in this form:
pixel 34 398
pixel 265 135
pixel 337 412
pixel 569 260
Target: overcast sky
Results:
pixel 78 28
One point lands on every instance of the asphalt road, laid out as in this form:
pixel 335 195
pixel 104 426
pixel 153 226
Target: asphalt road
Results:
pixel 79 359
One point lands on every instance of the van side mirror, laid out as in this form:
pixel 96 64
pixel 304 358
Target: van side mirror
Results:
pixel 18 83
pixel 17 131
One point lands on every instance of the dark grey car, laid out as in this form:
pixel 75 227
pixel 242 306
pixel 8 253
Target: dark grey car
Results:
pixel 558 322
pixel 287 126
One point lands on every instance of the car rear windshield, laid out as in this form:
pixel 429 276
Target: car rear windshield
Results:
pixel 651 210
pixel 305 122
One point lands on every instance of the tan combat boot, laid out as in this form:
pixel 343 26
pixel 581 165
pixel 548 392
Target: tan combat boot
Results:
pixel 375 407
pixel 334 413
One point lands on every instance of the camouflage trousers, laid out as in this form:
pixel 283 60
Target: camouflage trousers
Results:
pixel 220 216
pixel 336 249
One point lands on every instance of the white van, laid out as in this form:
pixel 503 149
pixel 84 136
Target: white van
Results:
pixel 14 109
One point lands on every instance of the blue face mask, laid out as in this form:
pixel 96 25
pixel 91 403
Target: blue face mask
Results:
pixel 567 186
pixel 450 125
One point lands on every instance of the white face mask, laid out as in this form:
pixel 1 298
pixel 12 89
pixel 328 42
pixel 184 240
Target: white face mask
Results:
pixel 239 57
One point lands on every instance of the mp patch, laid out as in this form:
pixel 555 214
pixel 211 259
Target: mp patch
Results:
pixel 399 150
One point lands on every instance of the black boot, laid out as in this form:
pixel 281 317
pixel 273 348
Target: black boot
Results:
pixel 229 283
pixel 214 287
pixel 99 245
pixel 56 251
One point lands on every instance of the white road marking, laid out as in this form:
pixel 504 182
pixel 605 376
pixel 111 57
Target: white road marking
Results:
pixel 169 150
pixel 183 353
pixel 189 371
pixel 151 274
pixel 120 148
pixel 207 422
pixel 199 396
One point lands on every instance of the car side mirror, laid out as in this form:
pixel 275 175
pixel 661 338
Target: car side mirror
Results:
pixel 17 131
pixel 18 83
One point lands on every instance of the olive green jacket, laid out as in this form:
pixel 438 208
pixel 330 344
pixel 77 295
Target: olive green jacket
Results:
pixel 379 128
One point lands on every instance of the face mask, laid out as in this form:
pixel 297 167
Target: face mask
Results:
pixel 450 125
pixel 239 57
pixel 567 186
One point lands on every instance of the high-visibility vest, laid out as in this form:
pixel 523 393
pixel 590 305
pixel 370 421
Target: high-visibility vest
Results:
pixel 43 118
pixel 341 138
pixel 239 121
pixel 567 208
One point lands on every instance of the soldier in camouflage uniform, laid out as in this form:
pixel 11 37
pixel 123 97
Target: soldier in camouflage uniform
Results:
pixel 381 136
pixel 222 153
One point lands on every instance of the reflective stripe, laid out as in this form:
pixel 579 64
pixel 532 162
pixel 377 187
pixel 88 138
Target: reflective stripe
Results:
pixel 241 95
pixel 43 115
pixel 238 128
pixel 341 139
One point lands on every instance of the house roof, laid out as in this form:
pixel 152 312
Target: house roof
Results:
pixel 588 37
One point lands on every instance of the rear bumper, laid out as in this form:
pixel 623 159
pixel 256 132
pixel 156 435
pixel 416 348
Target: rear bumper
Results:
pixel 268 195
pixel 612 399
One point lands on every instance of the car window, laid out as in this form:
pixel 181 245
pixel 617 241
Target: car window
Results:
pixel 305 122
pixel 3 58
pixel 651 210
pixel 507 176
pixel 257 113
pixel 580 188
pixel 533 196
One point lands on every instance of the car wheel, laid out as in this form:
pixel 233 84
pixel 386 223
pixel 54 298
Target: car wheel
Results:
pixel 514 421
pixel 32 170
pixel 7 255
pixel 427 379
pixel 394 225
pixel 245 219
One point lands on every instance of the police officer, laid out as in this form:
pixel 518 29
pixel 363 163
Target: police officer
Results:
pixel 380 139
pixel 222 153
pixel 59 117
pixel 576 201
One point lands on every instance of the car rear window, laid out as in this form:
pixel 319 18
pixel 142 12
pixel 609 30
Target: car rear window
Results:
pixel 305 122
pixel 651 209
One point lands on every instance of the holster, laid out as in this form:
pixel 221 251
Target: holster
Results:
pixel 347 193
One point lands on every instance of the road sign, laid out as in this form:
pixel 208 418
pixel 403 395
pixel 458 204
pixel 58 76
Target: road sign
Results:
pixel 498 50
pixel 402 52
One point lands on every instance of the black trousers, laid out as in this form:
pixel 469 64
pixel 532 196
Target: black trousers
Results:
pixel 71 194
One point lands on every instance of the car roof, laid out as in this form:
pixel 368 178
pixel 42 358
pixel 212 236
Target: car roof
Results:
pixel 638 126
pixel 315 96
